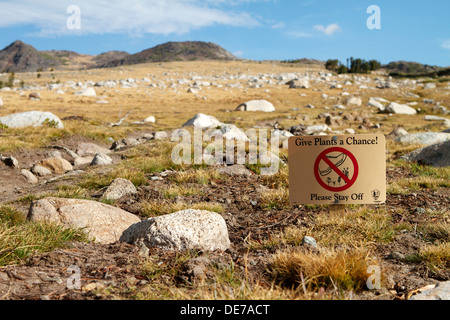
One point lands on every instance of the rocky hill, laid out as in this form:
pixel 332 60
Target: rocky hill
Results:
pixel 174 51
pixel 21 57
pixel 408 67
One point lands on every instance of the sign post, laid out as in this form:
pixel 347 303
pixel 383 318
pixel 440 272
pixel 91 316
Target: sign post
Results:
pixel 337 170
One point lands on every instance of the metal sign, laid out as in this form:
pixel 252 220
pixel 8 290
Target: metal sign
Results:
pixel 344 169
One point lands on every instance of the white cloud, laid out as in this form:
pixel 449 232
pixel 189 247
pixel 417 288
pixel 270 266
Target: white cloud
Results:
pixel 446 44
pixel 279 25
pixel 133 17
pixel 299 34
pixel 328 30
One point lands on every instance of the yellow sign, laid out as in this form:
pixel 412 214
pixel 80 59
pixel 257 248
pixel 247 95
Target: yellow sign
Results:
pixel 340 169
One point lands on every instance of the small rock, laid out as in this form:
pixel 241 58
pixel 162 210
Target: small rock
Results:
pixel 87 92
pixel 309 241
pixel 90 149
pixel 160 135
pixel 119 188
pixel 256 105
pixel 103 222
pixel 30 177
pixel 10 161
pixel 101 159
pixel 40 170
pixel 56 165
pixel 441 291
pixel 182 230
pixel 150 119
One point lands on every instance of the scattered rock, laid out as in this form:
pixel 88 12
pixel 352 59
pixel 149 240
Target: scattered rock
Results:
pixel 397 108
pixel 90 149
pixel 437 155
pixel 31 119
pixel 256 105
pixel 356 101
pixel 124 143
pixel 298 84
pixel 203 121
pixel 236 169
pixel 119 188
pixel 103 222
pixel 30 177
pixel 40 170
pixel 101 159
pixel 56 165
pixel 424 138
pixel 34 96
pixel 10 161
pixel 309 241
pixel 80 161
pixel 160 135
pixel 429 86
pixel 440 291
pixel 183 230
pixel 150 119
pixel 87 92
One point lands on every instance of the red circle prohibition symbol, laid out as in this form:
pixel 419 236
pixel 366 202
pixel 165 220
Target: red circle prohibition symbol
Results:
pixel 323 157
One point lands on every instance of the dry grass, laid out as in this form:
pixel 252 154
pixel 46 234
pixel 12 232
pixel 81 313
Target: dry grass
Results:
pixel 338 270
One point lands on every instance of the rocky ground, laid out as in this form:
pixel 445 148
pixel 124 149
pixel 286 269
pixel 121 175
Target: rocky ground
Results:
pixel 121 270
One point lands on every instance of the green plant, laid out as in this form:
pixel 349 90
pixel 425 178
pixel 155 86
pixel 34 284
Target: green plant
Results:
pixel 50 123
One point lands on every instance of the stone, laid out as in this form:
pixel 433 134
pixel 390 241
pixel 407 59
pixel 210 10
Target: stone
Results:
pixel 436 155
pixel 356 101
pixel 87 92
pixel 80 161
pixel 102 222
pixel 160 135
pixel 150 119
pixel 397 108
pixel 30 119
pixel 119 188
pixel 440 291
pixel 56 165
pixel 203 121
pixel 10 161
pixel 424 138
pixel 40 170
pixel 256 105
pixel 299 84
pixel 90 149
pixel 34 95
pixel 125 143
pixel 229 132
pixel 398 132
pixel 317 129
pixel 374 103
pixel 309 241
pixel 235 170
pixel 101 159
pixel 183 230
pixel 29 176
pixel 429 86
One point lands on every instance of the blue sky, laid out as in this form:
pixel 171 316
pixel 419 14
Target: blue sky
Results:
pixel 253 29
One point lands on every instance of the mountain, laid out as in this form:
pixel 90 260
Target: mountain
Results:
pixel 21 57
pixel 174 51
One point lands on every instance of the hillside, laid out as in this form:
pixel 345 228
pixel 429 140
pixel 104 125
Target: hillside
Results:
pixel 409 67
pixel 21 57
pixel 174 51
